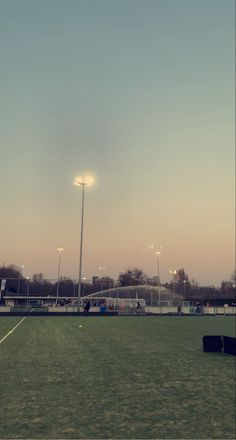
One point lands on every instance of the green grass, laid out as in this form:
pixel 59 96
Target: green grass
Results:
pixel 115 378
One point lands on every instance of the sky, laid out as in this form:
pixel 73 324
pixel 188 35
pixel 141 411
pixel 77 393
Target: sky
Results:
pixel 139 94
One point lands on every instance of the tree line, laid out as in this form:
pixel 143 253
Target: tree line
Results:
pixel 180 284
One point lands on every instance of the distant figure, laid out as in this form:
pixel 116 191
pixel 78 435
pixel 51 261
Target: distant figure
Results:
pixel 138 305
pixel 87 307
pixel 198 308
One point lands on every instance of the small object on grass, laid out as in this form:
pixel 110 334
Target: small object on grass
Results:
pixel 80 326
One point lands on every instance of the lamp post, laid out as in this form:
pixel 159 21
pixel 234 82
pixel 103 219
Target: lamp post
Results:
pixel 18 287
pixel 158 253
pixel 82 181
pixel 185 281
pixel 27 291
pixel 101 268
pixel 173 272
pixel 60 250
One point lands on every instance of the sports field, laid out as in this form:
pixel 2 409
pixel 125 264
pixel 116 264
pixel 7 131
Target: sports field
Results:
pixel 115 378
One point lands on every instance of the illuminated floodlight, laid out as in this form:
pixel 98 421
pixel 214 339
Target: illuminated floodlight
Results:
pixel 173 272
pixel 84 181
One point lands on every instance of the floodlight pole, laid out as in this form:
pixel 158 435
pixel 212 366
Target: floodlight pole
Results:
pixel 81 246
pixel 82 181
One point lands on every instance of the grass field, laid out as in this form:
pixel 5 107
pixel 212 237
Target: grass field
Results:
pixel 115 378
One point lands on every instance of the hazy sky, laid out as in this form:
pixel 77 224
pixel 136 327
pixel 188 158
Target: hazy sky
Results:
pixel 140 93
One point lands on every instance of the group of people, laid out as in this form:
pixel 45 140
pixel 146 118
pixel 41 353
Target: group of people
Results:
pixel 87 306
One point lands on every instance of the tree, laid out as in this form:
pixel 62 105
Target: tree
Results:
pixel 104 283
pixel 181 276
pixel 11 273
pixel 227 289
pixel 132 277
pixel 38 278
pixel 66 287
pixel 233 278
pixel 180 283
pixel 39 286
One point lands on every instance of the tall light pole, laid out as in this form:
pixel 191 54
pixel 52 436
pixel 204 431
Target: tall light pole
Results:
pixel 60 250
pixel 82 181
pixel 18 287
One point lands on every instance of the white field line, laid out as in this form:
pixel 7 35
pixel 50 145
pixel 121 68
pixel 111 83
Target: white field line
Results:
pixel 12 330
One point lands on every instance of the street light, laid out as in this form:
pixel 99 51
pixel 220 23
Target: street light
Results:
pixel 82 181
pixel 18 287
pixel 173 272
pixel 27 290
pixel 102 268
pixel 158 253
pixel 185 281
pixel 60 250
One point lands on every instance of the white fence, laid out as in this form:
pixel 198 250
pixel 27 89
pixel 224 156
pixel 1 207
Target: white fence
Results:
pixel 226 310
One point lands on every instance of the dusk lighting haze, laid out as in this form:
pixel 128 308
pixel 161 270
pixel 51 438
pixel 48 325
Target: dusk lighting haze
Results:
pixel 137 95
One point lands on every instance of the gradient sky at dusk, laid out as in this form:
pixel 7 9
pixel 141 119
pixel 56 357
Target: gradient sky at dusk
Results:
pixel 140 93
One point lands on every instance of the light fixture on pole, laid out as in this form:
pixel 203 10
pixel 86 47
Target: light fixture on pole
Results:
pixel 18 287
pixel 173 272
pixel 184 282
pixel 158 253
pixel 102 268
pixel 27 290
pixel 60 250
pixel 82 181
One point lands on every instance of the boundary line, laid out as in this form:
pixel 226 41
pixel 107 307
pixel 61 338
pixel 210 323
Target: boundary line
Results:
pixel 12 330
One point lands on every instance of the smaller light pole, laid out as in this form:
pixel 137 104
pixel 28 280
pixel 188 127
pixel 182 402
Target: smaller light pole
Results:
pixel 102 268
pixel 173 272
pixel 18 287
pixel 158 253
pixel 60 250
pixel 185 281
pixel 27 290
